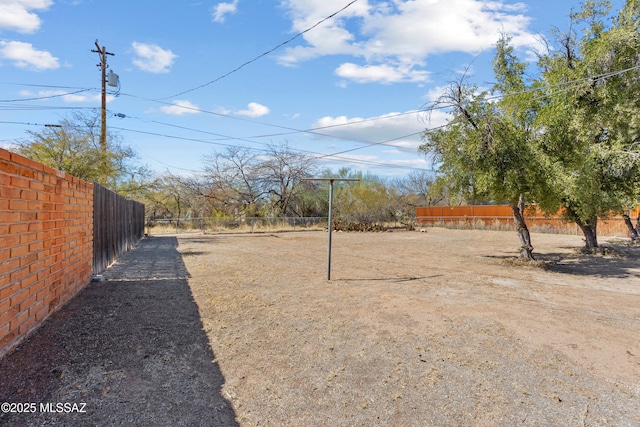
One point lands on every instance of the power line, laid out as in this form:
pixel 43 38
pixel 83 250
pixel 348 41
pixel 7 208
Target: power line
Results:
pixel 292 130
pixel 263 54
pixel 58 95
pixel 316 155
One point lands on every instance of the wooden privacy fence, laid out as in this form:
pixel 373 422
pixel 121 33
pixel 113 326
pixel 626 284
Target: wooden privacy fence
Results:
pixel 500 216
pixel 118 223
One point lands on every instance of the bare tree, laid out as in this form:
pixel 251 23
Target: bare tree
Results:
pixel 282 171
pixel 234 176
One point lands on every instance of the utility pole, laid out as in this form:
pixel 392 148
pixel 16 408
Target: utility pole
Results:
pixel 102 51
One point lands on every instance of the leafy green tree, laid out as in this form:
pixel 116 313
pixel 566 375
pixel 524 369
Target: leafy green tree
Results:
pixel 73 146
pixel 588 119
pixel 366 202
pixel 488 150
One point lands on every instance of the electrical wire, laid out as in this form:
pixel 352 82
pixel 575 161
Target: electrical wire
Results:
pixel 564 85
pixel 337 158
pixel 45 97
pixel 292 130
pixel 263 54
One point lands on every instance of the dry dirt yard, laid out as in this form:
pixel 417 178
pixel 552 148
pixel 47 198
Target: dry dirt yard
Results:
pixel 418 329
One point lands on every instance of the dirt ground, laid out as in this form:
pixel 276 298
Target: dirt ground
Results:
pixel 126 351
pixel 420 328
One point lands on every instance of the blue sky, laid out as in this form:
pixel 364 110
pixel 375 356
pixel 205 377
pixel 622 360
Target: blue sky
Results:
pixel 195 76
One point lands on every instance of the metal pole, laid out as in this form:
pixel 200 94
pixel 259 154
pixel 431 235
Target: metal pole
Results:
pixel 331 180
pixel 330 227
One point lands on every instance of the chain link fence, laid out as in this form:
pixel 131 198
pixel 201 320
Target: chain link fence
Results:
pixel 251 224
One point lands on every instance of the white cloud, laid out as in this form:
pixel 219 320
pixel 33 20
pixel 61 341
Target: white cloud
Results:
pixel 221 10
pixel 152 58
pixel 395 38
pixel 254 110
pixel 24 55
pixel 16 15
pixel 180 108
pixel 384 73
pixel 395 129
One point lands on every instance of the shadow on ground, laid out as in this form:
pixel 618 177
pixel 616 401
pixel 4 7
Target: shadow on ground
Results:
pixel 609 261
pixel 127 351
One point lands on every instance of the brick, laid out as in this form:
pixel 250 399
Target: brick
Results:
pixel 19 182
pixel 18 228
pixel 18 320
pixel 38 287
pixel 21 160
pixel 41 313
pixel 26 304
pixel 36 186
pixel 18 297
pixel 28 237
pixel 35 226
pixel 18 273
pixel 8 315
pixel 18 251
pixel 37 264
pixel 5 254
pixel 18 205
pixel 35 205
pixel 8 167
pixel 9 216
pixel 27 325
pixel 4 305
pixel 29 195
pixel 9 311
pixel 9 266
pixel 35 307
pixel 29 215
pixel 27 173
pixel 9 241
pixel 4 331
pixel 44 273
pixel 28 259
pixel 5 154
pixel 36 246
pixel 32 165
pixel 9 192
pixel 4 342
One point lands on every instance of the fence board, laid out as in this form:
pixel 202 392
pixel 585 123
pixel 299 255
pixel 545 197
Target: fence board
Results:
pixel 487 216
pixel 118 224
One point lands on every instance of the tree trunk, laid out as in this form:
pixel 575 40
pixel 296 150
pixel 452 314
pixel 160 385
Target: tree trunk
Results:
pixel 588 228
pixel 638 224
pixel 526 250
pixel 632 231
pixel 589 231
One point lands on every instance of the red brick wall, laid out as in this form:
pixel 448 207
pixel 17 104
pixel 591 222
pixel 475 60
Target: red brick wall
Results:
pixel 46 243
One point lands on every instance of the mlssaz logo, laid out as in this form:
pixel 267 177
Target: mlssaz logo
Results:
pixel 63 407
